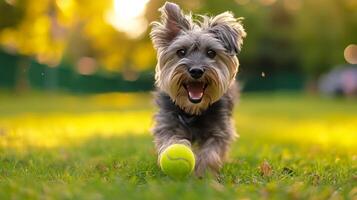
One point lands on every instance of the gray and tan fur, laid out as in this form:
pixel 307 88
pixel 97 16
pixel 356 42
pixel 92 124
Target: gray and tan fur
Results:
pixel 195 80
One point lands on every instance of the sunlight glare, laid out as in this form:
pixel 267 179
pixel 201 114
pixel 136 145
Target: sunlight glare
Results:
pixel 127 16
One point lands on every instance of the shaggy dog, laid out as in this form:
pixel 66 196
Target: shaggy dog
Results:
pixel 195 80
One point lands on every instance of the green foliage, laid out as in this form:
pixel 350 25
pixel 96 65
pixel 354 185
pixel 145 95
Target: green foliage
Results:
pixel 323 30
pixel 284 35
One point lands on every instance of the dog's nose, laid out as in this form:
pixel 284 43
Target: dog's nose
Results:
pixel 196 72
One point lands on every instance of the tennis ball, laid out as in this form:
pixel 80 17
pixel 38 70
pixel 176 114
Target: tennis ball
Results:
pixel 177 161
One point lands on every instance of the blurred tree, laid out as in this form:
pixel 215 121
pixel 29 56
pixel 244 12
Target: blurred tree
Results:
pixel 33 31
pixel 323 30
pixel 292 35
pixel 283 35
pixel 53 30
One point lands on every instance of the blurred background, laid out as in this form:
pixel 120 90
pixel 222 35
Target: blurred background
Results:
pixel 87 46
pixel 76 108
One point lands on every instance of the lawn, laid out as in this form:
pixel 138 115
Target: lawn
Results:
pixel 291 146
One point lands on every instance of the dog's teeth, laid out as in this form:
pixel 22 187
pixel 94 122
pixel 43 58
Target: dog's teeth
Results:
pixel 195 90
pixel 195 96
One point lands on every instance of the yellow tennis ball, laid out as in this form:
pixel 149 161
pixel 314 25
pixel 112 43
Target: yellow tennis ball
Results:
pixel 177 161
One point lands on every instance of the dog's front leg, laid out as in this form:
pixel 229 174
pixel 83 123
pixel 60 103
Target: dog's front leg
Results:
pixel 210 156
pixel 165 138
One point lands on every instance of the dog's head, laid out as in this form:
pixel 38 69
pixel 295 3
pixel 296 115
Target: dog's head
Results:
pixel 197 60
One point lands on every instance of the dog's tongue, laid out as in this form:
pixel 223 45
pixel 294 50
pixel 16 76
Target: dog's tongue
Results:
pixel 195 90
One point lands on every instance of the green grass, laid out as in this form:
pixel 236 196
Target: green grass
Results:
pixel 99 147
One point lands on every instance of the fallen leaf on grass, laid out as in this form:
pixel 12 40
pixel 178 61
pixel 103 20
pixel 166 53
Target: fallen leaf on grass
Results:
pixel 265 169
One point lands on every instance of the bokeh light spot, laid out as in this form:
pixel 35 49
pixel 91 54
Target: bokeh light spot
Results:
pixel 86 66
pixel 350 54
pixel 11 2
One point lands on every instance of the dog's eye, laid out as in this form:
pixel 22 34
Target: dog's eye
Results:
pixel 181 53
pixel 211 54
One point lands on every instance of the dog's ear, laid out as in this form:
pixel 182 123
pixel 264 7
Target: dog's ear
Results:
pixel 228 30
pixel 173 21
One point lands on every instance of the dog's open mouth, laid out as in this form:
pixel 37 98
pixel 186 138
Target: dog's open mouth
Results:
pixel 195 91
